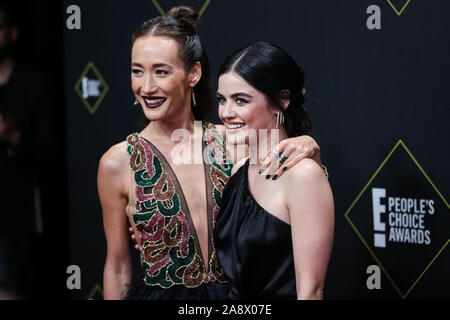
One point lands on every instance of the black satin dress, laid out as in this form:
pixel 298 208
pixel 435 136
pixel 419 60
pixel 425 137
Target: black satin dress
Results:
pixel 253 246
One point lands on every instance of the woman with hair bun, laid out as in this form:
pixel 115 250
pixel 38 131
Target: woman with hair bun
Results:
pixel 273 240
pixel 171 205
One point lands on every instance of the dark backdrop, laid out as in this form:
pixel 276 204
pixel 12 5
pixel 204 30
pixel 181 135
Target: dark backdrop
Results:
pixel 366 91
pixel 40 47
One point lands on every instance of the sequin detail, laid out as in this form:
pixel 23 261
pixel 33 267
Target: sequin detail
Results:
pixel 168 247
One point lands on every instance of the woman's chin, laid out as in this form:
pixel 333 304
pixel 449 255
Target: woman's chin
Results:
pixel 154 115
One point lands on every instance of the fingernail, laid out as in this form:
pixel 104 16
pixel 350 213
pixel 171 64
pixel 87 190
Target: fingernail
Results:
pixel 285 169
pixel 268 176
pixel 274 177
pixel 260 171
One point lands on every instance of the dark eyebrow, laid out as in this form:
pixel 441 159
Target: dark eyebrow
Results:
pixel 235 95
pixel 159 65
pixel 239 94
pixel 156 65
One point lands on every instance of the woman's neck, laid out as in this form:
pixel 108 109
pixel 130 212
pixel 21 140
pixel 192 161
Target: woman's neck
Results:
pixel 164 129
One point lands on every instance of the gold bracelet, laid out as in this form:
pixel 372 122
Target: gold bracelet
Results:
pixel 325 170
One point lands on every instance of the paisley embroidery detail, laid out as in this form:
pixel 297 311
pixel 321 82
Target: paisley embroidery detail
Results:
pixel 169 254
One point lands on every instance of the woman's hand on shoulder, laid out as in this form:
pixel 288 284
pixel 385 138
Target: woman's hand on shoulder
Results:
pixel 288 153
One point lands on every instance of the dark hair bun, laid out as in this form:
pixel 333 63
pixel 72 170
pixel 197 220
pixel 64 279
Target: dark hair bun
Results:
pixel 185 15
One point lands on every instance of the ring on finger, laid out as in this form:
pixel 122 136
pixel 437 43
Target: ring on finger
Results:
pixel 281 158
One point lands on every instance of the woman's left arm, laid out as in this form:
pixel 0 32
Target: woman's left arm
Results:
pixel 311 211
pixel 293 149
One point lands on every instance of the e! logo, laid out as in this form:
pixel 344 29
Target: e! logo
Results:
pixel 379 209
pixel 74 20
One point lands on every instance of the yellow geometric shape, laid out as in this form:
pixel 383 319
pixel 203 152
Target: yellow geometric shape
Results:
pixel 162 13
pixel 395 9
pixel 94 290
pixel 91 109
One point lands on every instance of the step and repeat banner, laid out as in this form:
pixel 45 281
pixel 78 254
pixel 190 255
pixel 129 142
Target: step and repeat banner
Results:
pixel 377 90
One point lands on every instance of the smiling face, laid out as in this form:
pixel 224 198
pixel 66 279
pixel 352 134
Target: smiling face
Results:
pixel 159 80
pixel 242 108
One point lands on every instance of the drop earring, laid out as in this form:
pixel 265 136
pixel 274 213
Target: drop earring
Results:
pixel 193 98
pixel 136 102
pixel 280 119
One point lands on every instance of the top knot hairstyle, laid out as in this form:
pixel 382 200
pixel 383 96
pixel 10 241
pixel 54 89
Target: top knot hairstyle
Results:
pixel 180 24
pixel 272 71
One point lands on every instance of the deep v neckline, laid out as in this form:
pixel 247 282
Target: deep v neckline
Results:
pixel 184 205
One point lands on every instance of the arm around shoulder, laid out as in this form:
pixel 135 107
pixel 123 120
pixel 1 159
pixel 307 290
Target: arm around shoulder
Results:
pixel 311 209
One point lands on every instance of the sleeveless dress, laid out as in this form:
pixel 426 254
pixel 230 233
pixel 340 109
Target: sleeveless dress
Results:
pixel 170 254
pixel 253 246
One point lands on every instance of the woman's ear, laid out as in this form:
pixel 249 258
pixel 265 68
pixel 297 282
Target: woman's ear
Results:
pixel 285 98
pixel 195 74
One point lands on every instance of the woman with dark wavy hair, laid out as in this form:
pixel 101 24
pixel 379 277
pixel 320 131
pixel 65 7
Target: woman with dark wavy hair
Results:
pixel 170 204
pixel 273 240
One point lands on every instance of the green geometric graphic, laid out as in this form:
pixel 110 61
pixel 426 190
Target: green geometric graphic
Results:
pixel 91 108
pixel 402 9
pixel 161 11
pixel 402 295
pixel 96 292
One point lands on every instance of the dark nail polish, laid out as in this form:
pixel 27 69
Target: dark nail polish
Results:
pixel 260 171
pixel 268 176
pixel 285 169
pixel 274 177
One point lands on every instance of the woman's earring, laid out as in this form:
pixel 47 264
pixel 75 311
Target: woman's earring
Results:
pixel 136 102
pixel 280 119
pixel 193 98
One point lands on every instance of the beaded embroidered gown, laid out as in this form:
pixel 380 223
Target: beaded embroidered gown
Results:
pixel 171 259
pixel 253 246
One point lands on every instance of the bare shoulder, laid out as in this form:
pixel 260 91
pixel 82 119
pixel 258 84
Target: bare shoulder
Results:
pixel 115 160
pixel 307 190
pixel 238 165
pixel 306 172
